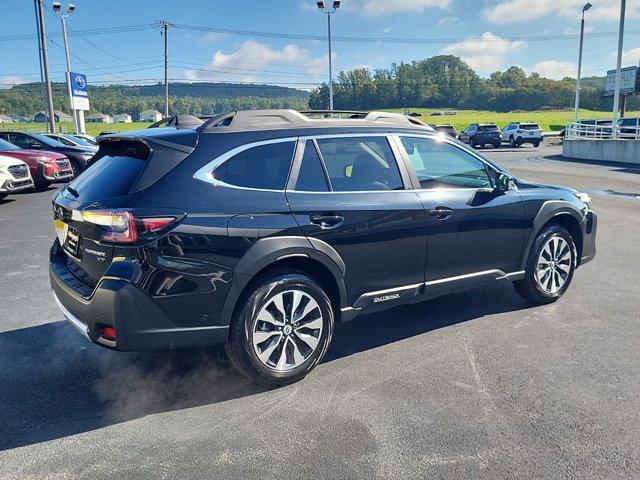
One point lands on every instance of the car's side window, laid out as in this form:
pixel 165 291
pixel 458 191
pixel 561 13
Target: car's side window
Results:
pixel 360 164
pixel 440 164
pixel 311 177
pixel 263 166
pixel 23 141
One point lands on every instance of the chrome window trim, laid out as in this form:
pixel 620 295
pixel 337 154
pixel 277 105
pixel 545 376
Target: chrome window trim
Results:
pixel 205 173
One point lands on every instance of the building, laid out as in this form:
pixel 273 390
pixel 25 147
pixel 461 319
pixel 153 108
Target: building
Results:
pixel 58 115
pixel 5 118
pixel 122 118
pixel 99 118
pixel 150 116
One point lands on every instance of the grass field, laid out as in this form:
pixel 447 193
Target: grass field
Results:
pixel 549 120
pixel 92 128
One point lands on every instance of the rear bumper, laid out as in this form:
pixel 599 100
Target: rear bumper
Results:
pixel 589 228
pixel 139 323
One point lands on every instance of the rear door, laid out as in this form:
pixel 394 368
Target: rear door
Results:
pixel 472 227
pixel 350 192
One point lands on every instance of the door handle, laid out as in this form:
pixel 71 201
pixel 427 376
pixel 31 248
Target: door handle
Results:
pixel 327 221
pixel 441 213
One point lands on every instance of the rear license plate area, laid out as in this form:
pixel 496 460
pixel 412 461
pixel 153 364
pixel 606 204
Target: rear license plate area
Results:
pixel 71 243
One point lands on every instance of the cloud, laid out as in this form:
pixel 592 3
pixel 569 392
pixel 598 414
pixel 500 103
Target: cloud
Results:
pixel 484 54
pixel 554 69
pixel 9 81
pixel 214 36
pixel 246 63
pixel 630 57
pixel 386 7
pixel 521 11
pixel 448 21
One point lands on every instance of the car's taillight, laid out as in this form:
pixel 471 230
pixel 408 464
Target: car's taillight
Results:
pixel 119 226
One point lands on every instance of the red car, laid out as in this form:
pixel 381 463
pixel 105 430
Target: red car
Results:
pixel 46 167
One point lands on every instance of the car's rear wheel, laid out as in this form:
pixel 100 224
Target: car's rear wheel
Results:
pixel 512 142
pixel 550 266
pixel 536 144
pixel 496 144
pixel 472 143
pixel 282 330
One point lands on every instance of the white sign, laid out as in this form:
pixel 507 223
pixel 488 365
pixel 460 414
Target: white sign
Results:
pixel 627 81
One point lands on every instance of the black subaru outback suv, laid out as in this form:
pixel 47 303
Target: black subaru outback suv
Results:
pixel 262 229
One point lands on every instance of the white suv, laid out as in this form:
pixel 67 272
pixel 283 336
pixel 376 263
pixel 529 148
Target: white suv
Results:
pixel 14 176
pixel 517 133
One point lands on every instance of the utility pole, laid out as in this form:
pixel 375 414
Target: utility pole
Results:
pixel 329 11
pixel 616 94
pixel 165 27
pixel 45 61
pixel 44 90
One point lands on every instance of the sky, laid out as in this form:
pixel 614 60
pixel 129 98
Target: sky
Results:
pixel 283 42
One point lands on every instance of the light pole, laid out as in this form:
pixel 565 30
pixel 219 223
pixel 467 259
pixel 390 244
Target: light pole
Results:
pixel 616 93
pixel 62 15
pixel 586 7
pixel 323 8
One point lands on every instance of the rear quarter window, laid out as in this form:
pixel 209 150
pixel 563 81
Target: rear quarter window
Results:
pixel 264 167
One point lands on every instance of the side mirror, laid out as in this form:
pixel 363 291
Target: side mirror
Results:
pixel 505 182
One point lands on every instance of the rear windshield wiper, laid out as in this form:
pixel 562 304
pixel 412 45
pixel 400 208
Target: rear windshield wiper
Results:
pixel 73 191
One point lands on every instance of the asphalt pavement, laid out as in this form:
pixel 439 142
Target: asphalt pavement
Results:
pixel 472 385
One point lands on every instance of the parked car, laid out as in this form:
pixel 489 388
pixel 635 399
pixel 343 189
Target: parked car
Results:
pixel 14 176
pixel 72 140
pixel 481 134
pixel 629 127
pixel 601 128
pixel 263 229
pixel 446 129
pixel 518 133
pixel 78 156
pixel 87 137
pixel 45 167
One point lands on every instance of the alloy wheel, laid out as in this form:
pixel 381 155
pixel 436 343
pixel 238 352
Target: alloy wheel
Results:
pixel 287 330
pixel 553 266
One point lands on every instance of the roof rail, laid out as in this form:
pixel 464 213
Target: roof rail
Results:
pixel 281 119
pixel 180 121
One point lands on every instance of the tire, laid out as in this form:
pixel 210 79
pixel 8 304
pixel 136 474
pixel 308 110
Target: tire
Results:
pixel 542 288
pixel 536 144
pixel 496 145
pixel 472 143
pixel 261 312
pixel 3 195
pixel 512 142
pixel 76 167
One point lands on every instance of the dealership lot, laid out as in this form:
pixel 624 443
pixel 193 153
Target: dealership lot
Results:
pixel 479 384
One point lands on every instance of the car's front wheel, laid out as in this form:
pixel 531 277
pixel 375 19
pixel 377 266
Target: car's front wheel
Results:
pixel 282 330
pixel 550 266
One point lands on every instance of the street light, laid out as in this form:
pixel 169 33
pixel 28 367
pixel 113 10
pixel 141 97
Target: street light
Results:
pixel 78 116
pixel 324 9
pixel 586 7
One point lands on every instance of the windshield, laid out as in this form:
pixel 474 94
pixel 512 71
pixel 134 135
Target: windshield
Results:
pixel 80 140
pixel 47 141
pixel 6 146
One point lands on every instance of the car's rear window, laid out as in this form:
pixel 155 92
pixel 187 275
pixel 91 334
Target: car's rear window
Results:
pixel 488 128
pixel 110 176
pixel 529 126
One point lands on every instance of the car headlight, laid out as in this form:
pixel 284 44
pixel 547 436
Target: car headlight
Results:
pixel 583 197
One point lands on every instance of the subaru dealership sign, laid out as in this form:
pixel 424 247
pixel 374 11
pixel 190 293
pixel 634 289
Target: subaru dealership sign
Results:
pixel 79 91
pixel 628 81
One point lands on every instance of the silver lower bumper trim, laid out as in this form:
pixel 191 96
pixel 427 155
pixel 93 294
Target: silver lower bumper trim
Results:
pixel 72 319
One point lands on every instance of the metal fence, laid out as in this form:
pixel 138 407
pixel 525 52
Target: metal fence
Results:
pixel 578 130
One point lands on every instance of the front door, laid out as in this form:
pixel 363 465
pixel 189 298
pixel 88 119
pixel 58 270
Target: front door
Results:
pixel 351 193
pixel 472 227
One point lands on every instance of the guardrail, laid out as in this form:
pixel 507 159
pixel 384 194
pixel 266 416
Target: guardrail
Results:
pixel 582 131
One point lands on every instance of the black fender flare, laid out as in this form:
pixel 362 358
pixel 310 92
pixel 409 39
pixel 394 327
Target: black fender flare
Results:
pixel 267 251
pixel 549 210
